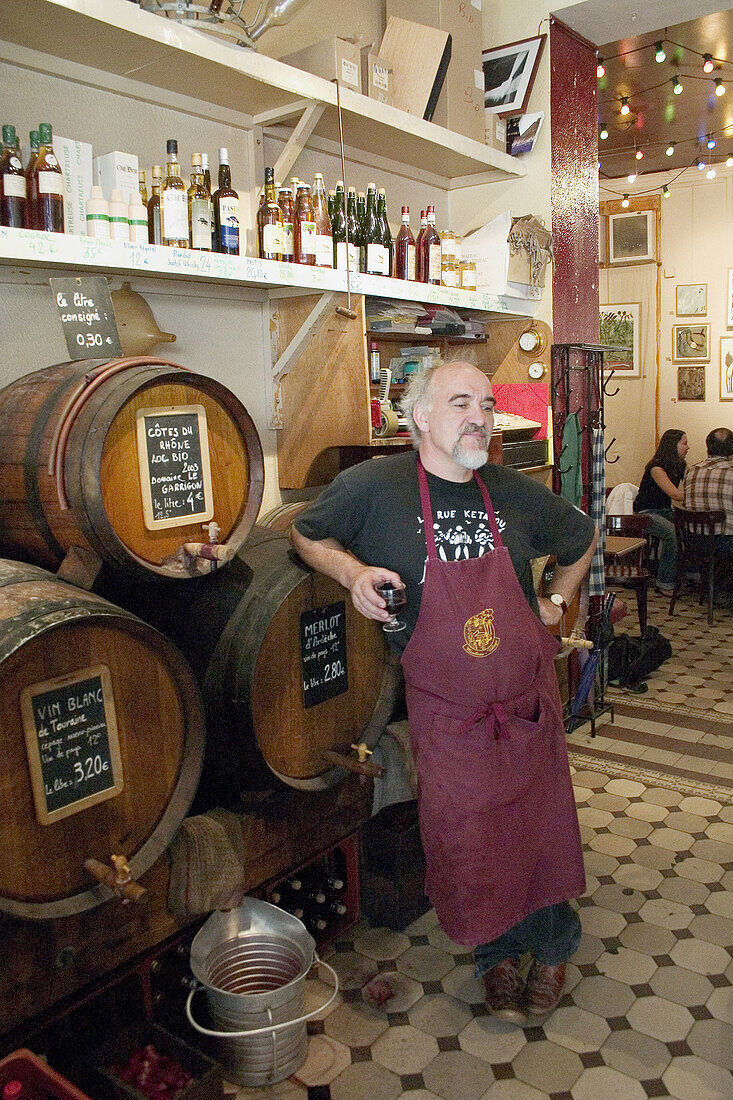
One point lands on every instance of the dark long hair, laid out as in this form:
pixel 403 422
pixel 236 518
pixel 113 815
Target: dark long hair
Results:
pixel 667 456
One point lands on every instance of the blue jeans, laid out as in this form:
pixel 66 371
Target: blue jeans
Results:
pixel 662 526
pixel 552 935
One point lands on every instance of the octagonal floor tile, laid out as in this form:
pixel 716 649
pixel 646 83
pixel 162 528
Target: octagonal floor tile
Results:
pixel 603 923
pixel 690 1078
pixel 604 1081
pixel 647 811
pixel 547 1066
pixel 705 807
pixel 629 967
pixel 713 929
pixel 661 797
pixel 457 1073
pixel 674 840
pixel 405 992
pixel 663 1020
pixel 353 970
pixel 438 1014
pixel 611 845
pixel 438 938
pixel 704 958
pixel 720 830
pixel 603 996
pixel 464 986
pixel 622 899
pixel 649 939
pixel 597 863
pixel 626 787
pixel 713 850
pixel 591 947
pixel 355 1025
pixel 720 1003
pixel 631 827
pixel 700 870
pixel 636 1055
pixel 636 877
pixel 686 822
pixel 667 914
pixel 513 1090
pixel 595 818
pixel 365 1081
pixel 381 944
pixel 576 1029
pixel 713 1041
pixel 404 1049
pixel 425 963
pixel 492 1040
pixel 685 891
pixel 720 903
pixel 675 983
pixel 325 1060
pixel 422 924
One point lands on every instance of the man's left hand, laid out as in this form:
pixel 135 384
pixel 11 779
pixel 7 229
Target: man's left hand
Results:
pixel 550 613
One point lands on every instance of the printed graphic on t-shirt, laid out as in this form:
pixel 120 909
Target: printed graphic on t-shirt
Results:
pixel 461 533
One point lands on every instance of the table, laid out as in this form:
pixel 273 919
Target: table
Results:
pixel 620 546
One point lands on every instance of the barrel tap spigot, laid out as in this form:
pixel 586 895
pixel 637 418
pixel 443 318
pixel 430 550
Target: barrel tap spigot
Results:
pixel 118 878
pixel 362 751
pixel 213 550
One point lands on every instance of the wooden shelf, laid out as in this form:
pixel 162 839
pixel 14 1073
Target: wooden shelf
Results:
pixel 119 41
pixel 422 338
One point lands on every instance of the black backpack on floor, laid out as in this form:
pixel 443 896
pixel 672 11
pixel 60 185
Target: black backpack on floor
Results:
pixel 630 659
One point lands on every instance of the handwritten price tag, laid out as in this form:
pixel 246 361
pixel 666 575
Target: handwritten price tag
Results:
pixel 87 317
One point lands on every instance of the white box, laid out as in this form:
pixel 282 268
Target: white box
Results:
pixel 75 159
pixel 117 170
pixel 488 247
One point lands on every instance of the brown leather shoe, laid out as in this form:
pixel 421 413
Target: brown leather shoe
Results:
pixel 543 989
pixel 504 989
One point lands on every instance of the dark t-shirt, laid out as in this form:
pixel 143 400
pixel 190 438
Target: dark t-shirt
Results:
pixel 374 511
pixel 651 496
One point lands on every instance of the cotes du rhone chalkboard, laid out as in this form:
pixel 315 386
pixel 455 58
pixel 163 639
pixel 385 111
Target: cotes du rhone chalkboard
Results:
pixel 175 469
pixel 73 745
pixel 323 653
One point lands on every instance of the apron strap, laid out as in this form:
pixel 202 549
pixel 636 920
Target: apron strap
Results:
pixel 427 511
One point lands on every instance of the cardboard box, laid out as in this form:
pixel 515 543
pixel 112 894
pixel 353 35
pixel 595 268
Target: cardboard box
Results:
pixel 377 78
pixel 460 105
pixel 206 1082
pixel 117 170
pixel 333 59
pixel 495 132
pixel 419 56
pixel 75 158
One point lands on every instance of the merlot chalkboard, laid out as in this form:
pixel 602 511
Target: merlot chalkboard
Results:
pixel 173 453
pixel 72 741
pixel 323 653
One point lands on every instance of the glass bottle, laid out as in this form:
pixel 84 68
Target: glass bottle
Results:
pixel 429 252
pixel 324 233
pixel 31 181
pixel 285 202
pixel 226 209
pixel 154 236
pixel 207 185
pixel 12 182
pixel 352 230
pixel 331 207
pixel 199 208
pixel 404 251
pixel 361 222
pixel 304 226
pixel 49 213
pixel 143 189
pixel 385 233
pixel 373 235
pixel 173 202
pixel 269 222
pixel 338 227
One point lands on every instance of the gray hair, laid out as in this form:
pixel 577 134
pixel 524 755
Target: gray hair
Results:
pixel 419 386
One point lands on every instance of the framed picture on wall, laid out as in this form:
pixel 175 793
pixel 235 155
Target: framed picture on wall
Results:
pixel 726 368
pixel 692 299
pixel 632 237
pixel 691 383
pixel 621 334
pixel 691 343
pixel 729 305
pixel 509 73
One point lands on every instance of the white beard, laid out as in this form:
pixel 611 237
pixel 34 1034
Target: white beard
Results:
pixel 470 460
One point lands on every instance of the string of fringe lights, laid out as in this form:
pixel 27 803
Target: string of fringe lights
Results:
pixel 705 145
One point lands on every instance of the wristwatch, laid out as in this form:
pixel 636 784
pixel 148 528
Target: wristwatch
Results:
pixel 558 601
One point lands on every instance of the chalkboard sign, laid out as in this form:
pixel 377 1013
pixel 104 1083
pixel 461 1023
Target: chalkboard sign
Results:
pixel 73 746
pixel 323 653
pixel 175 469
pixel 87 316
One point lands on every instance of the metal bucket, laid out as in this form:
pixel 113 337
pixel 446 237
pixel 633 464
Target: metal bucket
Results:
pixel 252 963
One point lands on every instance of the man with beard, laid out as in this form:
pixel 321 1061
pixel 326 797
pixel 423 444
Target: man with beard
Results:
pixel 496 808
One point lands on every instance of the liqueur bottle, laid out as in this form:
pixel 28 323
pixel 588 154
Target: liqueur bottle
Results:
pixel 304 225
pixel 173 202
pixel 324 234
pixel 226 209
pixel 199 208
pixel 384 230
pixel 285 202
pixel 154 236
pixel 419 245
pixel 269 222
pixel 31 181
pixel 49 211
pixel 432 250
pixel 12 182
pixel 404 249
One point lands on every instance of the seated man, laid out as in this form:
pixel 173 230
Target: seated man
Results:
pixel 708 486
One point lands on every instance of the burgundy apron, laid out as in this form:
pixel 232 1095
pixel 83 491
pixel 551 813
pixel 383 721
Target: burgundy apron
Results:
pixel 497 813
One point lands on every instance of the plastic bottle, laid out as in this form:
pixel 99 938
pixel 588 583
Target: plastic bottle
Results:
pixel 137 217
pixel 97 212
pixel 119 224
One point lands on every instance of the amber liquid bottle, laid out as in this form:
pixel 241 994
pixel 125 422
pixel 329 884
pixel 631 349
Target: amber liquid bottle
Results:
pixel 154 236
pixel 49 212
pixel 199 208
pixel 226 209
pixel 324 233
pixel 285 202
pixel 270 222
pixel 419 245
pixel 173 202
pixel 31 181
pixel 432 250
pixel 304 226
pixel 143 190
pixel 12 182
pixel 404 249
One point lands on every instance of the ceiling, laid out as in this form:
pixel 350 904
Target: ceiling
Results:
pixel 657 116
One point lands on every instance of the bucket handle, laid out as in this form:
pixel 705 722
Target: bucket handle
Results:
pixel 269 1027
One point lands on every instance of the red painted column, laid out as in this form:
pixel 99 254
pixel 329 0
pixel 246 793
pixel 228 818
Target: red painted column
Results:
pixel 574 186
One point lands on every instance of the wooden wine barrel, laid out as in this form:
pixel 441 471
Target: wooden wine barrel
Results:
pixel 287 666
pixel 101 742
pixel 283 515
pixel 127 458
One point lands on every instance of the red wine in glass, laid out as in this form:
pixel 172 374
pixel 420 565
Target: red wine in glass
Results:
pixel 395 598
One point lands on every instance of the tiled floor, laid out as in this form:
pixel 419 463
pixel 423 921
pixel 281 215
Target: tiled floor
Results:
pixel 648 1007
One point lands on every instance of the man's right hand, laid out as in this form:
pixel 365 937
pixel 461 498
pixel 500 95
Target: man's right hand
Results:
pixel 363 596
pixel 329 557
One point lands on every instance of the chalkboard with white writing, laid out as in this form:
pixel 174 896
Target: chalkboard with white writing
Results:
pixel 175 470
pixel 323 653
pixel 73 745
pixel 87 316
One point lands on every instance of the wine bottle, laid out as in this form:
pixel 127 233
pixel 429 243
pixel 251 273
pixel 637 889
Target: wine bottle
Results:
pixel 330 203
pixel 373 235
pixel 199 208
pixel 304 225
pixel 154 236
pixel 352 230
pixel 419 244
pixel 285 202
pixel 12 182
pixel 49 212
pixel 173 202
pixel 385 233
pixel 431 247
pixel 404 249
pixel 335 884
pixel 361 222
pixel 337 908
pixel 269 222
pixel 31 181
pixel 207 185
pixel 226 209
pixel 324 234
pixel 316 896
pixel 338 227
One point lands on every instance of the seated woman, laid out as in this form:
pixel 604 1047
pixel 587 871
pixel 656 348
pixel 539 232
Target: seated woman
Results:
pixel 660 486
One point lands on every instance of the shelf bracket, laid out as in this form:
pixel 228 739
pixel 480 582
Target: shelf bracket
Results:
pixel 293 350
pixel 298 140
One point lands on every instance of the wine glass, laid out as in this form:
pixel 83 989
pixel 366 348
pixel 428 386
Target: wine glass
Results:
pixel 395 598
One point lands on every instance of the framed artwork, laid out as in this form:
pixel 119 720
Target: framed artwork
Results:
pixel 729 306
pixel 726 368
pixel 621 334
pixel 509 73
pixel 692 299
pixel 691 343
pixel 632 237
pixel 691 383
